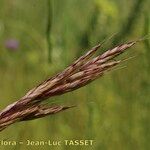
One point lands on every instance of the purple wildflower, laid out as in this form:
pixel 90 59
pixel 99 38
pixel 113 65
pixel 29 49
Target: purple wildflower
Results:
pixel 12 44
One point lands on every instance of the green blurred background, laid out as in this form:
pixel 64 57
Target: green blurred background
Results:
pixel 47 36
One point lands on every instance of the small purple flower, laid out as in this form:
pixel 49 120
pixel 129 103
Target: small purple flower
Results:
pixel 12 44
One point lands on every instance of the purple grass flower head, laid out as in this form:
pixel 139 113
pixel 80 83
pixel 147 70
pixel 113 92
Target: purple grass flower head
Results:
pixel 12 44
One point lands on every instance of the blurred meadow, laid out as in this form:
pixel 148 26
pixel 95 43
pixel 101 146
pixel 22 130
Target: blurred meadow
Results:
pixel 39 38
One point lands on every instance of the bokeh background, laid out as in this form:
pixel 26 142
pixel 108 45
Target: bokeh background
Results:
pixel 39 38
